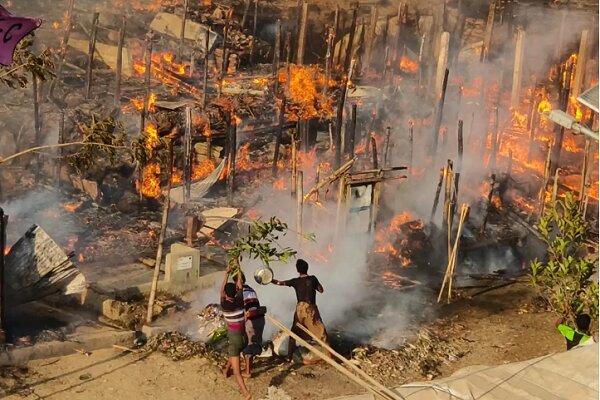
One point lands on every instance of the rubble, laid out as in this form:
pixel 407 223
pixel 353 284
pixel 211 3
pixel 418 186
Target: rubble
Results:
pixel 179 347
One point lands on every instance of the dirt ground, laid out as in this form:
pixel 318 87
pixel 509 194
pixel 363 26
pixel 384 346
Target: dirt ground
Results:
pixel 496 327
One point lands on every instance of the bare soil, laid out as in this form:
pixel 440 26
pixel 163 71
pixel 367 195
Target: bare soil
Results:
pixel 500 326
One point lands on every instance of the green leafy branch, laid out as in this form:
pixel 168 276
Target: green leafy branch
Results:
pixel 26 64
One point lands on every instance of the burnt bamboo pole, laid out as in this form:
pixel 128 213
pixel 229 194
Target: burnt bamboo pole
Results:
pixel 546 178
pixel 489 31
pixel 245 14
pixel 411 128
pixel 555 185
pixel 509 166
pixel 335 60
pixel 448 189
pixel 581 65
pixel 328 59
pixel 122 30
pixel 232 140
pixel 302 33
pixel 276 57
pixel 442 64
pixel 436 199
pixel 584 171
pixel 91 51
pixel 205 76
pixel 299 205
pixel 352 131
pixel 182 33
pixel 187 165
pixel 147 74
pixel 370 39
pixel 61 140
pixel 460 156
pixel 317 179
pixel 340 215
pixel 254 28
pixel 439 111
pixel 398 36
pixel 374 149
pixel 533 127
pixel 288 55
pixel 294 156
pixel 421 64
pixel 226 54
pixel 63 48
pixel 279 136
pixel 518 69
pixel 388 133
pixel 161 238
pixel 489 201
pixel 560 130
pixel 350 44
pixel 531 109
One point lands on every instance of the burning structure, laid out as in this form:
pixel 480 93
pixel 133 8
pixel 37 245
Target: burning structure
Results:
pixel 366 125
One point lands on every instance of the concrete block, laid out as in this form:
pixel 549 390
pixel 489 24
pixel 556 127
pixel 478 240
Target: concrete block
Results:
pixel 182 265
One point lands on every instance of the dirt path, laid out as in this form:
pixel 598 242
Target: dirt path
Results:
pixel 496 327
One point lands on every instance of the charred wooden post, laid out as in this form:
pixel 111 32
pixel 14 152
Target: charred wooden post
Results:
pixel 421 63
pixel 439 111
pixel 91 51
pixel 560 130
pixel 374 149
pixel 276 57
pixel 352 132
pixel 294 164
pixel 340 116
pixel 328 59
pixel 340 216
pixel 555 185
pixel 37 122
pixel 317 179
pixel 460 156
pixel 193 225
pixel 117 97
pixel 388 133
pixel 561 34
pixel 63 48
pixel 279 136
pixel 436 199
pixel 494 142
pixel 398 39
pixel 518 69
pixel 532 108
pixel 299 205
pixel 509 165
pixel 148 73
pixel 245 14
pixel 3 223
pixel 254 27
pixel 161 238
pixel 336 34
pixel 448 189
pixel 411 127
pixel 546 178
pixel 442 64
pixel 288 54
pixel 182 33
pixel 489 202
pixel 581 64
pixel 489 31
pixel 61 140
pixel 584 171
pixel 232 141
pixel 370 38
pixel 187 165
pixel 533 127
pixel 205 76
pixel 350 44
pixel 302 33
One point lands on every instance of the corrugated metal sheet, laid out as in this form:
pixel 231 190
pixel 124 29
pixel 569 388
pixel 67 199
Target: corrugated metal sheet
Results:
pixel 589 98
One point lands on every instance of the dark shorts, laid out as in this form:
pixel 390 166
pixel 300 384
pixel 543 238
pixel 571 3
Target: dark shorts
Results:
pixel 236 342
pixel 254 331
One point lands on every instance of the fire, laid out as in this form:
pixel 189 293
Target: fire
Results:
pixel 176 176
pixel 55 25
pixel 6 250
pixel 80 258
pixel 393 232
pixel 151 137
pixel 151 180
pixel 519 120
pixel 202 169
pixel 138 103
pixel 253 214
pixel 408 66
pixel 279 184
pixel 71 207
pixel 305 95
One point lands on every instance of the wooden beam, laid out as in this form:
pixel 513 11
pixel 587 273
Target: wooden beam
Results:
pixel 518 69
pixel 299 205
pixel 330 179
pixel 302 33
pixel 442 63
pixel 370 38
pixel 232 141
pixel 276 57
pixel 187 164
pixel 182 33
pixel 489 31
pixel 117 96
pixel 91 51
pixel 580 68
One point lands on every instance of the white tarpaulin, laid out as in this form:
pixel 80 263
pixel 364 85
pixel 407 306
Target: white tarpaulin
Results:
pixel 569 375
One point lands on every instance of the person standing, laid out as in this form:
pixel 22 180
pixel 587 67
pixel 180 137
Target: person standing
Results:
pixel 232 304
pixel 307 314
pixel 255 325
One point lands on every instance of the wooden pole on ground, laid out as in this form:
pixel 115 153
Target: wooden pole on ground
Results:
pixel 279 136
pixel 436 199
pixel 91 51
pixel 276 57
pixel 232 140
pixel 63 47
pixel 182 33
pixel 299 204
pixel 581 64
pixel 205 76
pixel 329 361
pixel 117 98
pixel 584 170
pixel 302 33
pixel 161 238
pixel 518 69
pixel 187 165
pixel 148 73
pixel 489 31
pixel 442 64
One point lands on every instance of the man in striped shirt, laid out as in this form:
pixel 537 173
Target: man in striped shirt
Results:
pixel 232 304
pixel 255 325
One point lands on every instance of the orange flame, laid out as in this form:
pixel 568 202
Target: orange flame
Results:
pixel 71 207
pixel 408 66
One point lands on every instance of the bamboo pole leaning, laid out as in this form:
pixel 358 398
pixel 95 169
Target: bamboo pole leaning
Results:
pixel 377 393
pixel 348 363
pixel 449 275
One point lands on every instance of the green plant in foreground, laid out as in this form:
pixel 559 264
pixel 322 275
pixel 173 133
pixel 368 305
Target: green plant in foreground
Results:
pixel 261 242
pixel 563 281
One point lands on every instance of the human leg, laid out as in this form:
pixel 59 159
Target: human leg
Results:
pixel 235 366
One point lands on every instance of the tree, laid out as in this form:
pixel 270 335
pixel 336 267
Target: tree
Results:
pixel 564 280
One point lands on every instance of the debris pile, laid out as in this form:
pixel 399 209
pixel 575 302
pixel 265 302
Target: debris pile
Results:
pixel 425 355
pixel 179 347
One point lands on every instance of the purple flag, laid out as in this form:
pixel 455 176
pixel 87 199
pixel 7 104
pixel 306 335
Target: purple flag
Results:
pixel 12 30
